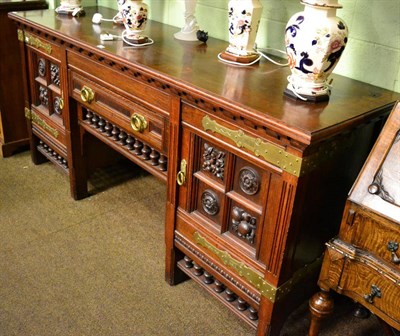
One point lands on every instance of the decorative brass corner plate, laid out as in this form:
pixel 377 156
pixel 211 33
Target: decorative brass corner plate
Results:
pixel 35 42
pixel 269 291
pixel 40 122
pixel 20 34
pixel 269 151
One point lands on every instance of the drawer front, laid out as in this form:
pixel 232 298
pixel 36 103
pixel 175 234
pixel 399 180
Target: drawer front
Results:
pixel 374 288
pixel 143 123
pixel 121 82
pixel 47 126
pixel 372 233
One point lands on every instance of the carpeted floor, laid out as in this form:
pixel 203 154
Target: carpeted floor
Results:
pixel 96 267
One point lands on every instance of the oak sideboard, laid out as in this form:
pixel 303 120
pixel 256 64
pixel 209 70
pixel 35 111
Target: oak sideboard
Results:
pixel 256 182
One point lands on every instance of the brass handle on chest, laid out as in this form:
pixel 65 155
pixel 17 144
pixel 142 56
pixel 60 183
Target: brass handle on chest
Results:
pixel 375 292
pixel 87 94
pixel 181 177
pixel 138 122
pixel 392 248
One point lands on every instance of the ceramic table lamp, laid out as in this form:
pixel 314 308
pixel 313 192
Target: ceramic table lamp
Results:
pixel 315 40
pixel 134 16
pixel 244 19
pixel 73 7
pixel 190 29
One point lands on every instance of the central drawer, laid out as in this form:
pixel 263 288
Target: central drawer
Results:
pixel 146 124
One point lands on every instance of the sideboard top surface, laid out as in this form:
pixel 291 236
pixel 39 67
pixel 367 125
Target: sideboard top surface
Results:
pixel 253 90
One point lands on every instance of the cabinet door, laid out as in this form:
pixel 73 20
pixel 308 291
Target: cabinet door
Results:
pixel 230 197
pixel 47 110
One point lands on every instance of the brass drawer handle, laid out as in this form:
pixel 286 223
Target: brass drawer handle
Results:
pixel 181 177
pixel 375 292
pixel 392 248
pixel 87 94
pixel 138 122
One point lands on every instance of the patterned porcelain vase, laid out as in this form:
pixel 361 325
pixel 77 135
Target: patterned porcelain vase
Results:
pixel 244 20
pixel 315 39
pixel 134 16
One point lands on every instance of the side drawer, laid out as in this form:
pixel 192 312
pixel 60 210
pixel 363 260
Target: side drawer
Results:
pixel 47 126
pixel 376 288
pixel 145 124
pixel 371 233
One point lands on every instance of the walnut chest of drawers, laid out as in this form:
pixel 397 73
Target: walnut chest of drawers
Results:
pixel 364 261
pixel 250 175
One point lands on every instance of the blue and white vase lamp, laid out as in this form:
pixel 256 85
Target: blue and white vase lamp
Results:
pixel 315 39
pixel 244 20
pixel 134 16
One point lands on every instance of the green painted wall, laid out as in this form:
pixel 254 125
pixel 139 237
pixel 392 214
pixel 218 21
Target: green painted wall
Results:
pixel 373 51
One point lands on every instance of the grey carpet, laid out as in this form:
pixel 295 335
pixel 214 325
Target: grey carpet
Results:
pixel 96 266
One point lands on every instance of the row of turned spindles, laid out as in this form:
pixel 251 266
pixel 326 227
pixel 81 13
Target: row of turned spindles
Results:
pixel 52 153
pixel 221 289
pixel 126 140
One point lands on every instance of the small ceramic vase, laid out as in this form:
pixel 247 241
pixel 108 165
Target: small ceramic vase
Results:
pixel 189 30
pixel 134 16
pixel 315 39
pixel 244 20
pixel 69 6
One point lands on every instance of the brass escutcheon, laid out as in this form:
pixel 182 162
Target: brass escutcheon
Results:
pixel 138 122
pixel 87 94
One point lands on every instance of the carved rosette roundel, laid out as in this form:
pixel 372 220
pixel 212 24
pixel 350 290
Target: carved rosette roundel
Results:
pixel 209 201
pixel 249 180
pixel 42 67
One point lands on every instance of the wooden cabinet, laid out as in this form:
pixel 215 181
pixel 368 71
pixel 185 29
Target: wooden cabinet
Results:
pixel 364 261
pixel 13 131
pixel 256 182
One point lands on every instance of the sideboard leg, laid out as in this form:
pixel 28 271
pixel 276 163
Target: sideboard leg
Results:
pixel 321 305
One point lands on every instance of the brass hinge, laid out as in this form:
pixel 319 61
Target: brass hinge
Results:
pixel 37 43
pixel 30 115
pixel 270 152
pixel 20 34
pixel 269 291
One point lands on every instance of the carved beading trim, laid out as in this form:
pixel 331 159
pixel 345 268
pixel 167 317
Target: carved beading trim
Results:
pixel 219 270
pixel 219 289
pixel 52 154
pixel 126 140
